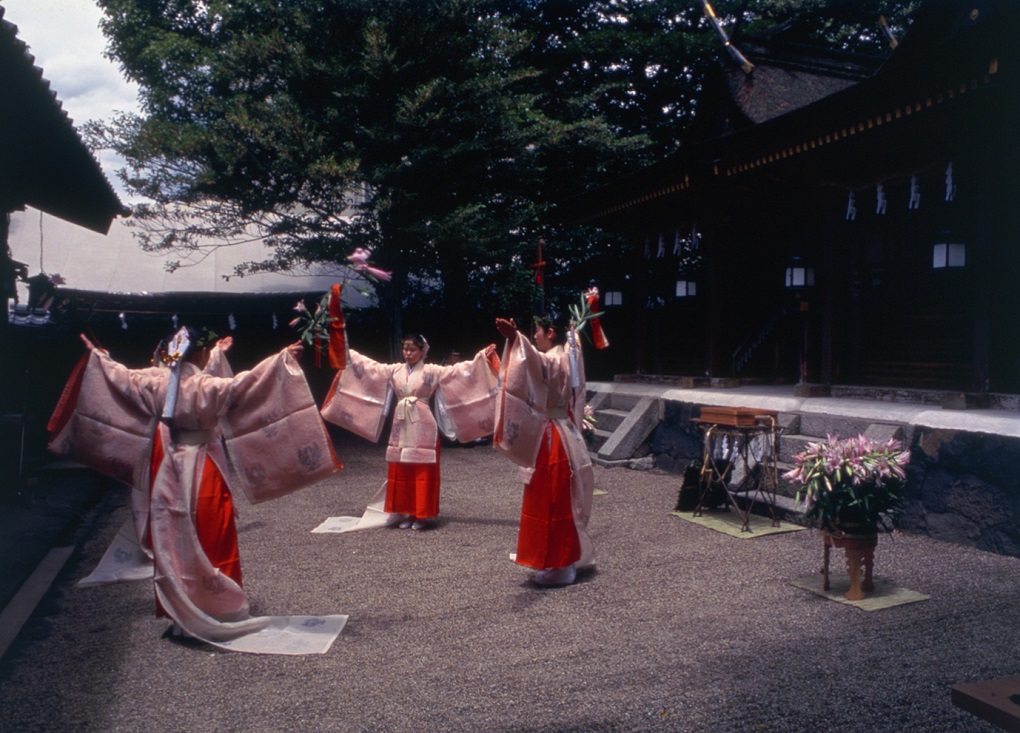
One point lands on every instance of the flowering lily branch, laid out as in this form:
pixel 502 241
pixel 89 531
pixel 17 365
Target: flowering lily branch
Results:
pixel 851 480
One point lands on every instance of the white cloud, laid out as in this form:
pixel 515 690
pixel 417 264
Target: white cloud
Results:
pixel 65 39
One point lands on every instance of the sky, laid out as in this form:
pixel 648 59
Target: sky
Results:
pixel 65 39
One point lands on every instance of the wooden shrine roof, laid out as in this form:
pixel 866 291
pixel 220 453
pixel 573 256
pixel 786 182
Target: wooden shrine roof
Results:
pixel 45 163
pixel 954 57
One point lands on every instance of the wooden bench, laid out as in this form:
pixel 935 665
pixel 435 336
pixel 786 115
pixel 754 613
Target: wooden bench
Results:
pixel 997 701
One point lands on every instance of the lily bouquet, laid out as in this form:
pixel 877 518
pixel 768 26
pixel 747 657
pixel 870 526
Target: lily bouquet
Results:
pixel 313 326
pixel 588 310
pixel 850 482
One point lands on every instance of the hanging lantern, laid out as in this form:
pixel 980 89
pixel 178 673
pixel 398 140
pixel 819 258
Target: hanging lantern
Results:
pixel 686 288
pixel 948 251
pixel 799 275
pixel 612 298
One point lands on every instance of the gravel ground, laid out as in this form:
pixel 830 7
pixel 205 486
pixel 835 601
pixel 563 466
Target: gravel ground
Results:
pixel 676 627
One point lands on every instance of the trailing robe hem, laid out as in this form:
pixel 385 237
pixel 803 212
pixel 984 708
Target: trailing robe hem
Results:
pixel 276 444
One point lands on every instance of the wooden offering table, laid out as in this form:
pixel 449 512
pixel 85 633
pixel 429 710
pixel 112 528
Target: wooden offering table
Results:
pixel 740 454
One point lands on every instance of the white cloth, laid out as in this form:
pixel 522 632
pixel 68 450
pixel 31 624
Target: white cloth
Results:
pixel 124 560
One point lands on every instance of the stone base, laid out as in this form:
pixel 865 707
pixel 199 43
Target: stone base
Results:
pixel 991 700
pixel 811 390
pixel 965 401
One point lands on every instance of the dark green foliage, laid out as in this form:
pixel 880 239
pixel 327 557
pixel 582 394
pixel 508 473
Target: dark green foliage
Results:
pixel 438 133
pixel 846 25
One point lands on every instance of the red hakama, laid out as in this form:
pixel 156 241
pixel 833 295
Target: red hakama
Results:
pixel 413 488
pixel 537 427
pixel 548 535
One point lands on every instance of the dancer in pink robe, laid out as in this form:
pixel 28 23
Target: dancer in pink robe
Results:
pixel 538 426
pixel 178 436
pixel 360 399
pixel 129 556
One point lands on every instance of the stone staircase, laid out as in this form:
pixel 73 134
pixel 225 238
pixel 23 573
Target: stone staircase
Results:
pixel 623 424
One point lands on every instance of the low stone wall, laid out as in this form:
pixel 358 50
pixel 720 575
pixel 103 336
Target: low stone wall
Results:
pixel 676 440
pixel 962 487
pixel 965 488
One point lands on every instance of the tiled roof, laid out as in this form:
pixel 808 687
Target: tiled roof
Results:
pixel 46 165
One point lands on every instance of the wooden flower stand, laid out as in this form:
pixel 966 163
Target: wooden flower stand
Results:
pixel 860 559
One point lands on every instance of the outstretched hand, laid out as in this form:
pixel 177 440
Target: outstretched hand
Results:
pixel 493 359
pixel 224 343
pixel 296 349
pixel 88 344
pixel 507 328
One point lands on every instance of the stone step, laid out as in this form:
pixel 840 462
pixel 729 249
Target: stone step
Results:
pixel 791 445
pixel 638 463
pixel 616 401
pixel 788 423
pixel 845 426
pixel 597 438
pixel 610 418
pixel 635 428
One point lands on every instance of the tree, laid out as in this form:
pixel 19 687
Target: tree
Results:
pixel 407 127
pixel 847 25
pixel 437 133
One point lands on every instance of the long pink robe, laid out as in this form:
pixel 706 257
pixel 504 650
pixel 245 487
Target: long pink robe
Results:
pixel 360 398
pixel 129 556
pixel 264 419
pixel 538 427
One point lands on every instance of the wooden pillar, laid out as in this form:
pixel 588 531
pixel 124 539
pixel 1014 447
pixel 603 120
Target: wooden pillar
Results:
pixel 829 280
pixel 711 241
pixel 639 309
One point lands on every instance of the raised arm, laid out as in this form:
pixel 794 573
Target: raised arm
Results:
pixel 507 329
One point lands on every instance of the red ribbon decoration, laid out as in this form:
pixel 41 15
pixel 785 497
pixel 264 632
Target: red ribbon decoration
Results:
pixel 598 336
pixel 337 330
pixel 539 264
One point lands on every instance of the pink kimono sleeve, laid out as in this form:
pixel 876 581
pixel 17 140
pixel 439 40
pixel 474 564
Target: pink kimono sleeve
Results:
pixel 520 404
pixel 466 399
pixel 360 397
pixel 273 434
pixel 108 424
pixel 218 366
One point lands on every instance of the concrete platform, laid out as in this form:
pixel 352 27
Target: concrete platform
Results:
pixel 783 399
